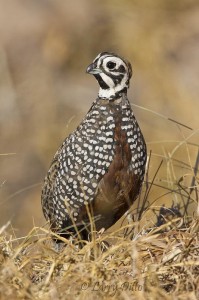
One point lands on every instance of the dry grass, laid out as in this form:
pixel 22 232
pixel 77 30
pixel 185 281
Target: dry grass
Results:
pixel 151 265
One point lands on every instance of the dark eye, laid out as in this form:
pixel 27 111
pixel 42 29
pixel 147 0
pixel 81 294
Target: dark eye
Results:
pixel 111 65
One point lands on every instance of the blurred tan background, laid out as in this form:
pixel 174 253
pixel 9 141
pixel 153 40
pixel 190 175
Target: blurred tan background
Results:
pixel 45 47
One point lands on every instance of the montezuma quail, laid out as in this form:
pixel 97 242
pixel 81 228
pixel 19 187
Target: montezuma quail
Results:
pixel 99 169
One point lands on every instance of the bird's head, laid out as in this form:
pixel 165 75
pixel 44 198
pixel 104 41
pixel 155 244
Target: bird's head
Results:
pixel 113 74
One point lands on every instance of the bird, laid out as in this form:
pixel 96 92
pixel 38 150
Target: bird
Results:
pixel 98 171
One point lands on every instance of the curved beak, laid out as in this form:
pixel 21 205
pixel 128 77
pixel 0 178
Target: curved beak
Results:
pixel 92 69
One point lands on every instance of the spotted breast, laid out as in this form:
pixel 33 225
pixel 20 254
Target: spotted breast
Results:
pixel 97 173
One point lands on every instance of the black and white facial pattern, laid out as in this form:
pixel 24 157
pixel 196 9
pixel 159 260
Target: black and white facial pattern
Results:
pixel 113 74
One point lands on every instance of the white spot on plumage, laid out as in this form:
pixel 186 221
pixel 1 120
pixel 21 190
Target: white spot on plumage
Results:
pixel 129 133
pixel 109 140
pixel 125 119
pixel 79 149
pixel 95 112
pixel 112 126
pixel 102 138
pixel 85 168
pixel 90 191
pixel 109 119
pixel 94 142
pixel 109 133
